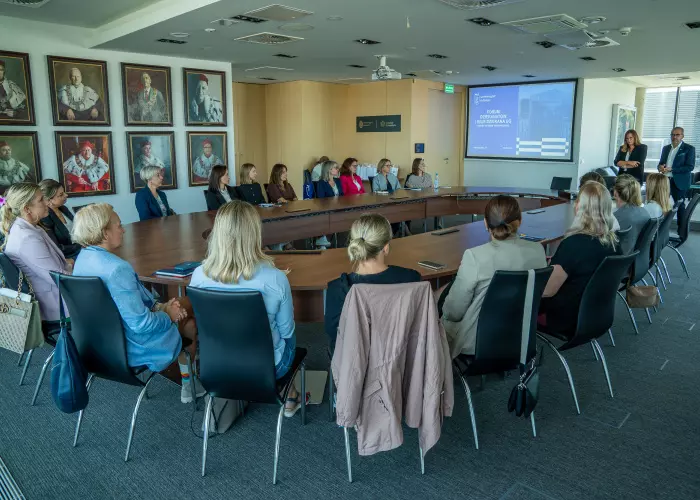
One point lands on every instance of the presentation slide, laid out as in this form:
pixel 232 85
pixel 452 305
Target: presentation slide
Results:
pixel 530 121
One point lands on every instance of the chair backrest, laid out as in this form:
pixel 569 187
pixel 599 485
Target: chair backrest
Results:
pixel 307 176
pixel 561 183
pixel 499 329
pixel 642 262
pixel 371 184
pixel 662 235
pixel 235 345
pixel 684 225
pixel 625 241
pixel 96 327
pixel 597 308
pixel 11 274
pixel 405 184
pixel 315 184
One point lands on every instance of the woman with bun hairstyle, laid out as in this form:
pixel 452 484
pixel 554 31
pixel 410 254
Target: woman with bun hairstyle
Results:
pixel 505 252
pixel 368 250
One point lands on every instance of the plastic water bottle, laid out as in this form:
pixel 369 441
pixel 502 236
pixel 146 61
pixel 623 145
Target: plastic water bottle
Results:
pixel 436 182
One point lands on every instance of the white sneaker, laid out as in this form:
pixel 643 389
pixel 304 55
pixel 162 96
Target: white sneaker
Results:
pixel 186 391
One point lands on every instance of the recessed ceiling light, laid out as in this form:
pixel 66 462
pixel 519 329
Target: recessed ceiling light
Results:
pixel 694 25
pixel 179 35
pixel 168 40
pixel 437 56
pixel 593 19
pixel 356 66
pixel 267 78
pixel 249 19
pixel 489 68
pixel 546 44
pixel 410 74
pixel 210 30
pixel 334 18
pixel 367 41
pixel 482 21
pixel 619 70
pixel 588 58
pixel 224 22
pixel 285 56
pixel 296 27
pixel 528 76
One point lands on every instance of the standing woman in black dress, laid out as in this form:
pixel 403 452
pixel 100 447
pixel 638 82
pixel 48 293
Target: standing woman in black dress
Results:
pixel 631 156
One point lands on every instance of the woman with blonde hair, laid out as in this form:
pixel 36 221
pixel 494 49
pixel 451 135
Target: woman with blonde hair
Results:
pixel 385 180
pixel 630 212
pixel 153 331
pixel 31 249
pixel 279 190
pixel 419 178
pixel 658 195
pixel 587 242
pixel 249 190
pixel 234 262
pixel 368 250
pixel 631 156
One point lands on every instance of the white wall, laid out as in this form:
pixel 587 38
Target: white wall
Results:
pixel 590 142
pixel 42 39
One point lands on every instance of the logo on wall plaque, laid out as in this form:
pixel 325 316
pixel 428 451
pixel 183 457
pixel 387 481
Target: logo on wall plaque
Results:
pixel 384 123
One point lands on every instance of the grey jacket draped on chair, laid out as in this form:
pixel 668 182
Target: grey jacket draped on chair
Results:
pixel 392 362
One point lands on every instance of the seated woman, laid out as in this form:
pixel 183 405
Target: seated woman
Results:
pixel 658 195
pixel 629 213
pixel 153 331
pixel 350 182
pixel 419 178
pixel 151 202
pixel 235 261
pixel 219 191
pixel 385 180
pixel 368 249
pixel 279 190
pixel 60 219
pixel 589 240
pixel 505 252
pixel 328 186
pixel 31 249
pixel 249 190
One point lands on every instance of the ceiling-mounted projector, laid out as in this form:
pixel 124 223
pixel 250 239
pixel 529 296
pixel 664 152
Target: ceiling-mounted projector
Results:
pixel 384 72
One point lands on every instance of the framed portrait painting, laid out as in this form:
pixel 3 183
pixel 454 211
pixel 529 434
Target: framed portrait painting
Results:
pixel 85 163
pixel 205 97
pixel 19 159
pixel 147 95
pixel 151 149
pixel 16 100
pixel 79 93
pixel 204 151
pixel 624 118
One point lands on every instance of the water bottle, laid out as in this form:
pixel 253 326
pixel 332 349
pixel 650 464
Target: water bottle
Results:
pixel 436 182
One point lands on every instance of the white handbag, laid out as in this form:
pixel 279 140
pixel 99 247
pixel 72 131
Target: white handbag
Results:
pixel 20 320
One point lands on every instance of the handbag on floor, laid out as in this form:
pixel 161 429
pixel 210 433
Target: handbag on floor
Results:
pixel 642 297
pixel 20 318
pixel 523 397
pixel 68 376
pixel 224 413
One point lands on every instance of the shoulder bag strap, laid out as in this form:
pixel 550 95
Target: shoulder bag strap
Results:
pixel 527 316
pixel 60 304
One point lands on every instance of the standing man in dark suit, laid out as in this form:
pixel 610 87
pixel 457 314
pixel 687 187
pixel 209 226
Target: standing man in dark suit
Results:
pixel 677 162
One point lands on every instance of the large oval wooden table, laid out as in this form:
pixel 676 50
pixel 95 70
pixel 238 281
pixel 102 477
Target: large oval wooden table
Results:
pixel 162 243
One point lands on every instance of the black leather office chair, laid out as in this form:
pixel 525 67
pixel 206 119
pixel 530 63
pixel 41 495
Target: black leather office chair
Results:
pixel 624 239
pixel 663 235
pixel 677 240
pixel 371 184
pixel 595 316
pixel 499 331
pixel 561 183
pixel 640 266
pixel 96 328
pixel 236 355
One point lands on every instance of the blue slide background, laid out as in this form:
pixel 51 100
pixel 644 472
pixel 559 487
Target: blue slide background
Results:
pixel 499 115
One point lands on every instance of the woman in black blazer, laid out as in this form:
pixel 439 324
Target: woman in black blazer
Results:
pixel 248 189
pixel 631 156
pixel 59 222
pixel 219 192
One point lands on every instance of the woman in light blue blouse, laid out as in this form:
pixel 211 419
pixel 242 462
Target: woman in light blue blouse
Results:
pixel 235 262
pixel 153 331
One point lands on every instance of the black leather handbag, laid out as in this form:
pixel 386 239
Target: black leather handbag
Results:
pixel 523 397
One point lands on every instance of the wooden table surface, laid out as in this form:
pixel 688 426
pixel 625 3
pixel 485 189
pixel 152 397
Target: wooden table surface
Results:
pixel 160 243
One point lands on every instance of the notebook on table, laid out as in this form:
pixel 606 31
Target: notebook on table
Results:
pixel 182 270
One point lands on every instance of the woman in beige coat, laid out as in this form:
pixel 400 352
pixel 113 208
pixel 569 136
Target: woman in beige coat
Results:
pixel 505 252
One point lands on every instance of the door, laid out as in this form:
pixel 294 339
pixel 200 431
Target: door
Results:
pixel 442 152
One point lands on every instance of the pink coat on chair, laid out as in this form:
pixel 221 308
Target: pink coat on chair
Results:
pixel 392 363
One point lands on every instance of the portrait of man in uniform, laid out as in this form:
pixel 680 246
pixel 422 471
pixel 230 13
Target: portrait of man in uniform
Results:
pixel 155 149
pixel 80 96
pixel 16 104
pixel 19 159
pixel 205 97
pixel 205 150
pixel 85 163
pixel 147 95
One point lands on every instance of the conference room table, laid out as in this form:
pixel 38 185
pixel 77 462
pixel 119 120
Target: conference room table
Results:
pixel 162 243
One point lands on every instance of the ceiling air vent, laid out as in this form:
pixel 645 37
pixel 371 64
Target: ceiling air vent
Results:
pixel 545 25
pixel 168 40
pixel 693 26
pixel 26 3
pixel 477 4
pixel 279 12
pixel 268 39
pixel 582 39
pixel 673 78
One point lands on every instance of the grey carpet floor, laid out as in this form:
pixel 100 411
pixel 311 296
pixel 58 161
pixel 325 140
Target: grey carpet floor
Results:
pixel 643 444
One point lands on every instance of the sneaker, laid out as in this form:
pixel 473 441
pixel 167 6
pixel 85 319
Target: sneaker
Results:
pixel 186 391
